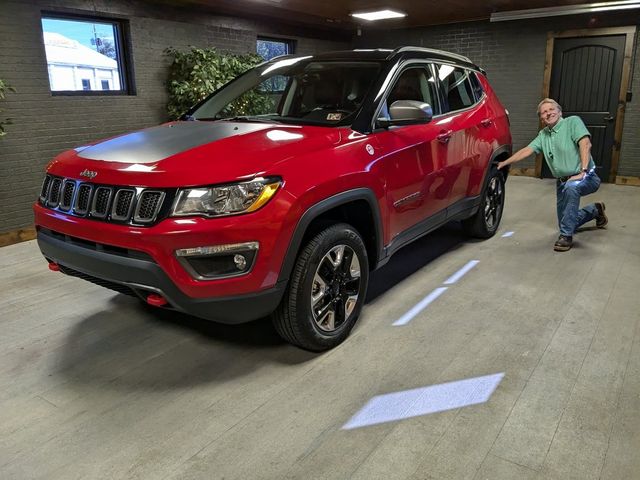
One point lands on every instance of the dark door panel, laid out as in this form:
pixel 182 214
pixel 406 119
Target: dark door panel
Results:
pixel 585 80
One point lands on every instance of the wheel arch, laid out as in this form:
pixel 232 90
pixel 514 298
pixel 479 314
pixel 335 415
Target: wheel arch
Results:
pixel 357 207
pixel 499 154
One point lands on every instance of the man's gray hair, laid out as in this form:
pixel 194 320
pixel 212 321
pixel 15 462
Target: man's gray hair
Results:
pixel 551 101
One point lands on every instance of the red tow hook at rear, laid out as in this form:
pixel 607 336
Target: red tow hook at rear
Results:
pixel 54 267
pixel 156 300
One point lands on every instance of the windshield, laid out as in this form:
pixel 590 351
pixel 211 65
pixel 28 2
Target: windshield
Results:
pixel 293 90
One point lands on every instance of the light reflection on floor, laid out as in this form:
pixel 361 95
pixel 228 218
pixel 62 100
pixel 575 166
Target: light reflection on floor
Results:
pixel 461 273
pixel 424 303
pixel 423 401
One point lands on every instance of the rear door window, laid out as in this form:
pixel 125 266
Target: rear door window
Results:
pixel 476 85
pixel 456 87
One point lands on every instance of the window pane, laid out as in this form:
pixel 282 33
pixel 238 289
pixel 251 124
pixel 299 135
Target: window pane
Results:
pixel 456 86
pixel 81 55
pixel 314 93
pixel 268 49
pixel 477 86
pixel 413 84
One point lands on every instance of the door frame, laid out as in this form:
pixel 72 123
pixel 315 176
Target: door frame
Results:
pixel 629 33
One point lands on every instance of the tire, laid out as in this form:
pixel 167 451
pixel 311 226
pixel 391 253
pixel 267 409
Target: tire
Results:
pixel 326 290
pixel 485 222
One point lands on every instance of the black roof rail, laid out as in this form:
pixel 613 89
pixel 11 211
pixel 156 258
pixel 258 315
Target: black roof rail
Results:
pixel 431 51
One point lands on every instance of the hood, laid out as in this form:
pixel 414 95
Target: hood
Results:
pixel 194 153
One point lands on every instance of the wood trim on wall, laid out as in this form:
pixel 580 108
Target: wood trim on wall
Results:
pixel 523 172
pixel 546 86
pixel 630 33
pixel 622 180
pixel 17 236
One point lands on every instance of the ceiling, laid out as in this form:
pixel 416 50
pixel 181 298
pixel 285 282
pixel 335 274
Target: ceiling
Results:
pixel 335 14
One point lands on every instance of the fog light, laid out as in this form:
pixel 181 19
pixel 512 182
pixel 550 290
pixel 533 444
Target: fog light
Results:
pixel 240 261
pixel 218 261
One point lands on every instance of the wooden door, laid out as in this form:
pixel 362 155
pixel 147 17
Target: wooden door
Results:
pixel 585 80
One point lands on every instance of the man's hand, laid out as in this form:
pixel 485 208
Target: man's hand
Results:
pixel 501 164
pixel 577 176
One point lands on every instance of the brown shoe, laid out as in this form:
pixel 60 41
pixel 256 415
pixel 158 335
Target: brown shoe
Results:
pixel 563 244
pixel 601 219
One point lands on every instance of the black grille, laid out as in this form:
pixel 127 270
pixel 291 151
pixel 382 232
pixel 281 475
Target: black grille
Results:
pixel 44 193
pixel 67 194
pixel 54 192
pixel 82 199
pixel 105 202
pixel 98 281
pixel 101 199
pixel 122 204
pixel 148 206
pixel 97 247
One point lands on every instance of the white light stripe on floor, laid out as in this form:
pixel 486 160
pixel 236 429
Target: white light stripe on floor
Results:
pixel 508 234
pixel 421 305
pixel 460 273
pixel 422 401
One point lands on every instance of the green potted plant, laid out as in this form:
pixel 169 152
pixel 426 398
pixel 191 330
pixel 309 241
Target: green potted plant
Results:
pixel 196 73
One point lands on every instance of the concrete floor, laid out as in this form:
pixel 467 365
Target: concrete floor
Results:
pixel 95 385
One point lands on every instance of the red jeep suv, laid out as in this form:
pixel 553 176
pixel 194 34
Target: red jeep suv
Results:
pixel 281 191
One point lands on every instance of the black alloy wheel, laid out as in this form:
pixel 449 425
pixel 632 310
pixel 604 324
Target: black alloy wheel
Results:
pixel 494 202
pixel 326 290
pixel 485 222
pixel 335 289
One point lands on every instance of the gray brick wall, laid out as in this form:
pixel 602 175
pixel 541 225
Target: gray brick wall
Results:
pixel 513 54
pixel 45 125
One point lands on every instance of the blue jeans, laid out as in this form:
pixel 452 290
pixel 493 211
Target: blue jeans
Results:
pixel 570 215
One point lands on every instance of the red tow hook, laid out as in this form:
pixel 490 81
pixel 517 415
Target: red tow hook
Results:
pixel 54 267
pixel 156 300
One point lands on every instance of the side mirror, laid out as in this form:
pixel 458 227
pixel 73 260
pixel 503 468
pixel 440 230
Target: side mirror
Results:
pixel 407 112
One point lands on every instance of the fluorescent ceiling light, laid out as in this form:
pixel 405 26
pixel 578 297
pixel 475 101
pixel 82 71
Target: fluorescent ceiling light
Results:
pixel 378 15
pixel 564 10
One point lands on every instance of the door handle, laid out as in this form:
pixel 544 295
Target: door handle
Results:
pixel 486 122
pixel 444 136
pixel 609 118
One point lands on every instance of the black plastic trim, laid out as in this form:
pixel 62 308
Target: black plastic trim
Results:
pixel 459 210
pixel 146 276
pixel 324 206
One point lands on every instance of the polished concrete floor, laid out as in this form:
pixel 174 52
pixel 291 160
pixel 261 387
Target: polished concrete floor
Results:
pixel 95 385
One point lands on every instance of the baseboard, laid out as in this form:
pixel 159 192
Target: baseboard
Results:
pixel 522 172
pixel 620 180
pixel 17 236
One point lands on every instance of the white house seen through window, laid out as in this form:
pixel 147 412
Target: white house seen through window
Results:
pixel 84 55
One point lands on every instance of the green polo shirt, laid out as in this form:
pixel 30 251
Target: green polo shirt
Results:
pixel 559 145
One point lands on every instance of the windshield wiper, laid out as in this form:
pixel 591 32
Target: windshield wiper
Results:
pixel 248 119
pixel 238 118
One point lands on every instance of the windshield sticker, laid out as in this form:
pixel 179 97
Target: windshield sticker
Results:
pixel 334 116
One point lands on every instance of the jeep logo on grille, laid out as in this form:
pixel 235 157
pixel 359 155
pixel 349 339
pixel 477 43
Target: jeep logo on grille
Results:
pixel 88 173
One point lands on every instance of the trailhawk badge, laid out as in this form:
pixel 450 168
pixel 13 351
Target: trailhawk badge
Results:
pixel 88 173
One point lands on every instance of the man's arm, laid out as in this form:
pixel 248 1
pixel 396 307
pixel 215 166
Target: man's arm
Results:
pixel 584 145
pixel 519 155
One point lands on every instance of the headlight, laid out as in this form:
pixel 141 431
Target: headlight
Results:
pixel 225 199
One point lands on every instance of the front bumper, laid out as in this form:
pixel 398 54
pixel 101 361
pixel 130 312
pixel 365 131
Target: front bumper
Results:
pixel 141 275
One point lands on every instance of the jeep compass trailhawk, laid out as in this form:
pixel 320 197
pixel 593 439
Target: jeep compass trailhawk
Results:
pixel 279 193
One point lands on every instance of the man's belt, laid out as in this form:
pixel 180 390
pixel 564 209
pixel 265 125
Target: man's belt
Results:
pixel 564 179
